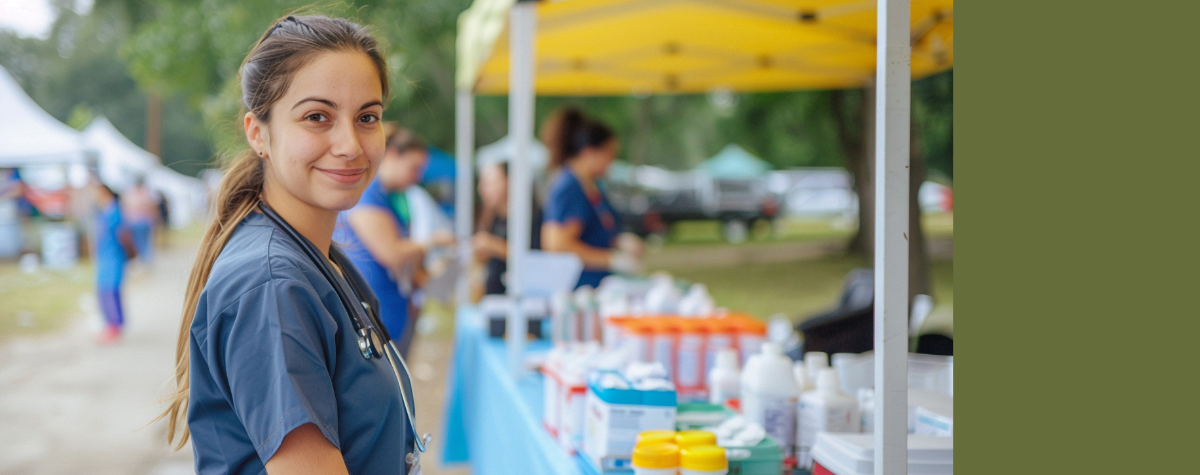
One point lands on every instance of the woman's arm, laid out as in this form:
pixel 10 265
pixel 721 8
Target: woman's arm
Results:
pixel 306 451
pixel 564 237
pixel 376 229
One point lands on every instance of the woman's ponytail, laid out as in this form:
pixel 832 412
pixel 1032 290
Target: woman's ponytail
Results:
pixel 568 131
pixel 237 197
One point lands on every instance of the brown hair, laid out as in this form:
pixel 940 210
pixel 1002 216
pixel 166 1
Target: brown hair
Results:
pixel 403 140
pixel 290 44
pixel 567 132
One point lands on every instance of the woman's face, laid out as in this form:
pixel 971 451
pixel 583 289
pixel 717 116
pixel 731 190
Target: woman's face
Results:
pixel 402 170
pixel 325 139
pixel 493 187
pixel 599 158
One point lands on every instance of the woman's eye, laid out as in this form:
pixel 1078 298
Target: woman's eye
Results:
pixel 369 119
pixel 316 117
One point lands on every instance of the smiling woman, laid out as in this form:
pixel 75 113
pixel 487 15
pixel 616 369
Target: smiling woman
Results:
pixel 270 376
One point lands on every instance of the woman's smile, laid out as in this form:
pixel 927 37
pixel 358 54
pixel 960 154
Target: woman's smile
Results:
pixel 345 176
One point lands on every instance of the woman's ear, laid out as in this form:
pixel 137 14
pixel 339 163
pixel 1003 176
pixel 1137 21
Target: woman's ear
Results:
pixel 256 134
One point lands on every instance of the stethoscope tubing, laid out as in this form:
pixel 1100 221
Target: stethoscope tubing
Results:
pixel 364 327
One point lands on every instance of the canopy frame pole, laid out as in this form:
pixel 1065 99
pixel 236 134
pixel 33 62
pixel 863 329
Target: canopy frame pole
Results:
pixel 464 181
pixel 893 88
pixel 521 97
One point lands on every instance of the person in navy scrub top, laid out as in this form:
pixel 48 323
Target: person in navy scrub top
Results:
pixel 578 217
pixel 376 236
pixel 269 375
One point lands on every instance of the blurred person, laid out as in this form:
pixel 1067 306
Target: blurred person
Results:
pixel 270 375
pixel 490 242
pixel 377 235
pixel 140 209
pixel 578 216
pixel 114 247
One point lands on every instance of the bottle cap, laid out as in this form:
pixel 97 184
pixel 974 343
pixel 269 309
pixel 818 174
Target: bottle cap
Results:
pixel 816 358
pixel 694 438
pixel 656 436
pixel 827 380
pixel 771 348
pixel 703 458
pixel 656 455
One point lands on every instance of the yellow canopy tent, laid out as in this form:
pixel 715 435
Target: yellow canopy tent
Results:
pixel 619 47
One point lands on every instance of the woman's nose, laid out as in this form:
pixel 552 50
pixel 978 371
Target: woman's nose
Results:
pixel 345 142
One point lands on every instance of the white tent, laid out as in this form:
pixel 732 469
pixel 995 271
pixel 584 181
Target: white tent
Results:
pixel 122 162
pixel 502 151
pixel 29 135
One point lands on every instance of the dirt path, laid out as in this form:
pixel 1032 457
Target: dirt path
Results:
pixel 71 406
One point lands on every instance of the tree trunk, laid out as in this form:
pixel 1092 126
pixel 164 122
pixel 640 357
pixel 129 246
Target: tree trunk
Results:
pixel 859 149
pixel 856 132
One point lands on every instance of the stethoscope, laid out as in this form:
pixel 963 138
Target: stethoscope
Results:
pixel 373 339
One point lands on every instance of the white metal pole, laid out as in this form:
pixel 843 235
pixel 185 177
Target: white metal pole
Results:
pixel 893 89
pixel 522 30
pixel 464 185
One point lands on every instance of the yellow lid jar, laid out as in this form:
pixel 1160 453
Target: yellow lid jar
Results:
pixel 703 460
pixel 690 438
pixel 656 458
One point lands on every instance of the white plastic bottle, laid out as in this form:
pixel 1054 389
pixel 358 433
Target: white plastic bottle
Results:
pixel 803 382
pixel 724 380
pixel 825 409
pixel 769 395
pixel 814 362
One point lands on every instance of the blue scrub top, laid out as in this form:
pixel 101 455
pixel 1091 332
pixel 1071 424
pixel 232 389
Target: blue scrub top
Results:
pixel 110 255
pixel 567 202
pixel 393 305
pixel 273 348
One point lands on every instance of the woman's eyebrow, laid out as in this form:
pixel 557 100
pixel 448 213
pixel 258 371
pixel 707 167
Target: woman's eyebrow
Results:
pixel 372 103
pixel 316 99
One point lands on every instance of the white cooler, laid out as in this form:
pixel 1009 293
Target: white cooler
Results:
pixel 854 454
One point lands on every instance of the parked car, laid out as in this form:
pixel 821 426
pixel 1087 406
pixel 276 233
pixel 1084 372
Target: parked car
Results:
pixel 651 199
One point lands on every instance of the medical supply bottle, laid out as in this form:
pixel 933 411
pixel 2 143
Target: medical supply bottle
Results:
pixel 769 395
pixel 656 458
pixel 703 460
pixel 803 381
pixel 689 360
pixel 825 409
pixel 724 379
pixel 694 438
pixel 814 362
pixel 656 436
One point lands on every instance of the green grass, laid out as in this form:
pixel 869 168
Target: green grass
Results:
pixel 798 288
pixel 40 302
pixel 940 225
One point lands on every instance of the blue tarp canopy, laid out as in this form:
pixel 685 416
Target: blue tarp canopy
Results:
pixel 734 161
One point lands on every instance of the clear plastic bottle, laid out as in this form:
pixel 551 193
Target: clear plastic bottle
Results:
pixel 769 395
pixel 724 381
pixel 825 409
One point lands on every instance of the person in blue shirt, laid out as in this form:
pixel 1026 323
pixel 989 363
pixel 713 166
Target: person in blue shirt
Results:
pixel 113 241
pixel 578 217
pixel 269 375
pixel 376 235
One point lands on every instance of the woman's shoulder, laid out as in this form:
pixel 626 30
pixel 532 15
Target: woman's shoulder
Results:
pixel 563 183
pixel 257 253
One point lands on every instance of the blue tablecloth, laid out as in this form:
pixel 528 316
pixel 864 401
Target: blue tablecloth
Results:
pixel 493 422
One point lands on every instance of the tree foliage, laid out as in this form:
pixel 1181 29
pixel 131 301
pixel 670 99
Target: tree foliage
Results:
pixel 190 51
pixel 77 68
